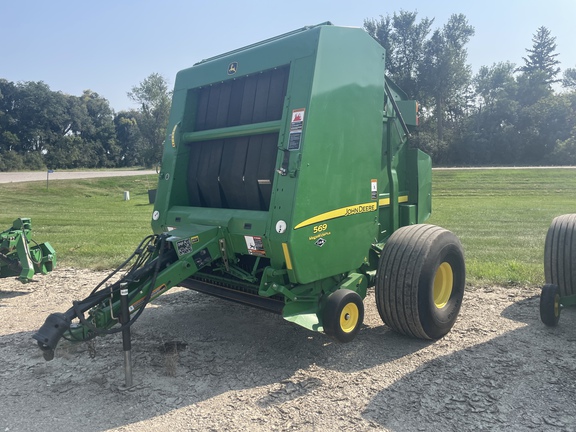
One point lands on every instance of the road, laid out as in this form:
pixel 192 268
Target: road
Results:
pixel 18 177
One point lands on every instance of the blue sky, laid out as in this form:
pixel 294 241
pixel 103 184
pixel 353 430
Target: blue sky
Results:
pixel 110 46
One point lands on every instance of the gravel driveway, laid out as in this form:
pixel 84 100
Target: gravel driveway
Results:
pixel 204 364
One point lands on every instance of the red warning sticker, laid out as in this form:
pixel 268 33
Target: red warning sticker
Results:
pixel 297 120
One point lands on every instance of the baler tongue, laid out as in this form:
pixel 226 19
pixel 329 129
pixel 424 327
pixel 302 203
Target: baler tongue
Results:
pixel 161 262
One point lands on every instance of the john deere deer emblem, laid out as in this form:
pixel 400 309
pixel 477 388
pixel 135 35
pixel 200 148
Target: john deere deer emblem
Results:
pixel 232 68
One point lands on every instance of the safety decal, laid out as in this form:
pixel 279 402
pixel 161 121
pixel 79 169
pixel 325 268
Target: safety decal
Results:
pixel 297 122
pixel 296 126
pixel 294 140
pixel 194 239
pixel 202 258
pixel 155 293
pixel 183 247
pixel 255 245
pixel 374 189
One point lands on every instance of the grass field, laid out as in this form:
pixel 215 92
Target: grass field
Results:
pixel 500 215
pixel 86 221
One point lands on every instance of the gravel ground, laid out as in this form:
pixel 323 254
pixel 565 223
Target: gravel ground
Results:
pixel 202 363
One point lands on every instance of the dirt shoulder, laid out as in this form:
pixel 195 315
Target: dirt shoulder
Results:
pixel 238 368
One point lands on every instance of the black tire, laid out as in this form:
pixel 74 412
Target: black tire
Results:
pixel 560 254
pixel 550 305
pixel 343 315
pixel 420 281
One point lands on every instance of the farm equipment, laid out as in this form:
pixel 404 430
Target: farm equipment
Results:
pixel 287 184
pixel 18 258
pixel 559 269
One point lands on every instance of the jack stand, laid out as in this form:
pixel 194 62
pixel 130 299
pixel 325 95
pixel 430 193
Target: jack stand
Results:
pixel 126 342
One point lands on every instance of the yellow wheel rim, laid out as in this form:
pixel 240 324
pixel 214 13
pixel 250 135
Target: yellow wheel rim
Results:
pixel 443 283
pixel 557 305
pixel 349 317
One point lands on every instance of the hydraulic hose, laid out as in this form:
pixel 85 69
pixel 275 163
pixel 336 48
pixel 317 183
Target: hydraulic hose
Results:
pixel 57 324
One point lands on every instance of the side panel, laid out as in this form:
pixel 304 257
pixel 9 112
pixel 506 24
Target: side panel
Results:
pixel 335 208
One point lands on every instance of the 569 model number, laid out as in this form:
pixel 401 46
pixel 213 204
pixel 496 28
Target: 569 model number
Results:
pixel 320 228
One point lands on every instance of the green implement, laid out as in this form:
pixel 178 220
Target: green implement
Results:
pixel 287 184
pixel 559 269
pixel 19 258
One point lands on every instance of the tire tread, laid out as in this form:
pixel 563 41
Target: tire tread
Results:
pixel 560 254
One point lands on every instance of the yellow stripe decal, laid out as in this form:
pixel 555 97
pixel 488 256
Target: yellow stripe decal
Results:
pixel 287 256
pixel 349 211
pixel 344 211
pixel 383 202
pixel 173 134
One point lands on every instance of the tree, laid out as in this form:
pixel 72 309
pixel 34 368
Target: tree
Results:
pixel 87 138
pixel 569 78
pixel 99 133
pixel 542 126
pixel 153 97
pixel 542 57
pixel 495 83
pixel 403 39
pixel 9 140
pixel 490 133
pixel 444 75
pixel 129 138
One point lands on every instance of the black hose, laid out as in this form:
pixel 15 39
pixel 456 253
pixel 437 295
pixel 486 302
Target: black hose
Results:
pixel 137 251
pixel 97 297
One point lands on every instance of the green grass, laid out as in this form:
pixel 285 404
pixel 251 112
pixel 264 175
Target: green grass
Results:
pixel 501 217
pixel 86 221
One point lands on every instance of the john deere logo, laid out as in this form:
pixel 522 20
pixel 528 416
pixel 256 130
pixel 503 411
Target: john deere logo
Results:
pixel 232 68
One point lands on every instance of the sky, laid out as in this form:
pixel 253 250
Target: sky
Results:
pixel 110 46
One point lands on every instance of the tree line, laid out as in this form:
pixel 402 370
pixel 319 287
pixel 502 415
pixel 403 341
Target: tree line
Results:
pixel 44 129
pixel 503 115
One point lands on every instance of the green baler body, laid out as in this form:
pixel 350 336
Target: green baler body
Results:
pixel 287 161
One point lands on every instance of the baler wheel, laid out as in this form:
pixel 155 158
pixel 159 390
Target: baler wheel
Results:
pixel 420 281
pixel 550 305
pixel 343 315
pixel 560 254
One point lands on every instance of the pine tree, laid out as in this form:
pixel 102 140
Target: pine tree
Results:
pixel 541 58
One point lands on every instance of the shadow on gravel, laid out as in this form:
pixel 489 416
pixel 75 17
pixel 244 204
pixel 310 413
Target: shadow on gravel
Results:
pixel 523 380
pixel 11 294
pixel 187 348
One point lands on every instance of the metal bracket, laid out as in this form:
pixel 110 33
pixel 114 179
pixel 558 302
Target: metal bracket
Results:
pixel 222 244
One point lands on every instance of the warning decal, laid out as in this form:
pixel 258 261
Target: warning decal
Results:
pixel 297 120
pixel 374 189
pixel 255 245
pixel 183 247
pixel 296 126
